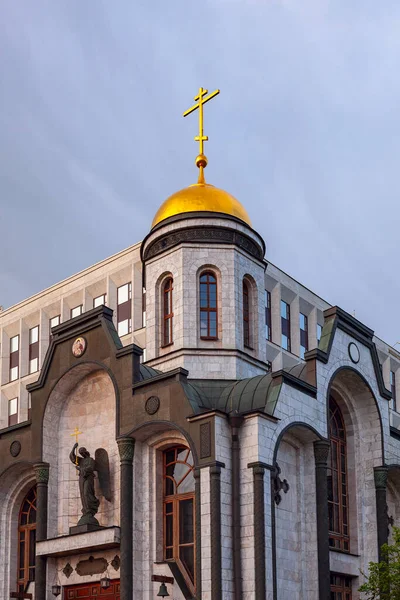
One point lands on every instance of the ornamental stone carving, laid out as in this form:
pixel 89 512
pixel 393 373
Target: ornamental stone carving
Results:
pixel 321 452
pixel 278 484
pixel 41 472
pixel 126 448
pixel 380 477
pixel 152 405
pixel 15 448
pixel 207 235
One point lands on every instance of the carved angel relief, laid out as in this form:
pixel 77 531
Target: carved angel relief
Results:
pixel 86 466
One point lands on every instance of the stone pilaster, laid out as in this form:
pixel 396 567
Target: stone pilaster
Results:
pixel 196 474
pixel 126 448
pixel 216 560
pixel 42 482
pixel 321 452
pixel 380 477
pixel 259 530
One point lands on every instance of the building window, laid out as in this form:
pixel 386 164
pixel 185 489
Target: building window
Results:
pixel 285 322
pixel 337 481
pixel 34 349
pixel 53 322
pixel 268 319
pixel 246 314
pixel 319 332
pixel 12 412
pixel 179 526
pixel 303 335
pixel 393 389
pixel 208 306
pixel 340 587
pixel 144 308
pixel 14 358
pixel 27 540
pixel 100 300
pixel 75 312
pixel 168 315
pixel 124 309
pixel 29 407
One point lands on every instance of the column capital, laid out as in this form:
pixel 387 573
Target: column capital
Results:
pixel 126 448
pixel 41 472
pixel 380 477
pixel 321 452
pixel 215 470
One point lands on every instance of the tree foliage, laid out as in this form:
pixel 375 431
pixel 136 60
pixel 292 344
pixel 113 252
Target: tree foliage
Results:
pixel 383 579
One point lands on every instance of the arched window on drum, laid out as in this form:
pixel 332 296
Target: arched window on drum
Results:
pixel 168 313
pixel 208 306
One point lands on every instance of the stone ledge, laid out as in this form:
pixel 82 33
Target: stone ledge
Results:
pixel 80 543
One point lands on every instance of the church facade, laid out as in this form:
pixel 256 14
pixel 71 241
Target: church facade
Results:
pixel 237 436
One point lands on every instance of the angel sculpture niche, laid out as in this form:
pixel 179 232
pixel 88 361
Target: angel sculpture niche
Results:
pixel 86 466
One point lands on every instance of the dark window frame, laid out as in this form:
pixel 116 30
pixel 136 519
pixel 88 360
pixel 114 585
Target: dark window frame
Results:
pixel 246 314
pixel 33 350
pixel 172 504
pixel 285 326
pixel 341 586
pixel 51 326
pixel 168 313
pixel 26 532
pixel 124 309
pixel 12 419
pixel 338 491
pixel 393 389
pixel 211 280
pixel 268 316
pixel 303 335
pixel 74 308
pixel 103 296
pixel 14 359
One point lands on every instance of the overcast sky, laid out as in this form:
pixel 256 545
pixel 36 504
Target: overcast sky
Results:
pixel 305 133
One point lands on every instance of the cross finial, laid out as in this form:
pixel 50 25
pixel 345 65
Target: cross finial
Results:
pixel 201 99
pixel 76 433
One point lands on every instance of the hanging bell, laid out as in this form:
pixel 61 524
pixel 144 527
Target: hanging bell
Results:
pixel 56 589
pixel 163 592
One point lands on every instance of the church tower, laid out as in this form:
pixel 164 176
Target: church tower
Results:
pixel 204 278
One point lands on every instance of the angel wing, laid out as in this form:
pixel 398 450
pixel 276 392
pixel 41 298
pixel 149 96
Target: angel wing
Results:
pixel 103 470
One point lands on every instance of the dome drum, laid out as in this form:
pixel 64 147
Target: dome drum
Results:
pixel 203 234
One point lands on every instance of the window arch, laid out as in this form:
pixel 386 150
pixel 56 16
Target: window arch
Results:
pixel 26 540
pixel 168 315
pixel 337 481
pixel 179 515
pixel 208 306
pixel 246 314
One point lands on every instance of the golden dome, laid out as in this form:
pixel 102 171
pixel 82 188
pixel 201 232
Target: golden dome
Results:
pixel 201 197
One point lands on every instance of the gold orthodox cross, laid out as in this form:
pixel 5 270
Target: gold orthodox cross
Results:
pixel 200 100
pixel 76 433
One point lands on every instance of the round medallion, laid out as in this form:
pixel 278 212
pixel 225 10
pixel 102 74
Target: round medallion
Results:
pixel 152 405
pixel 15 448
pixel 354 352
pixel 79 346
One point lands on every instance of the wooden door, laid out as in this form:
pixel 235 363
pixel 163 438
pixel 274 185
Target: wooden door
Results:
pixel 92 591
